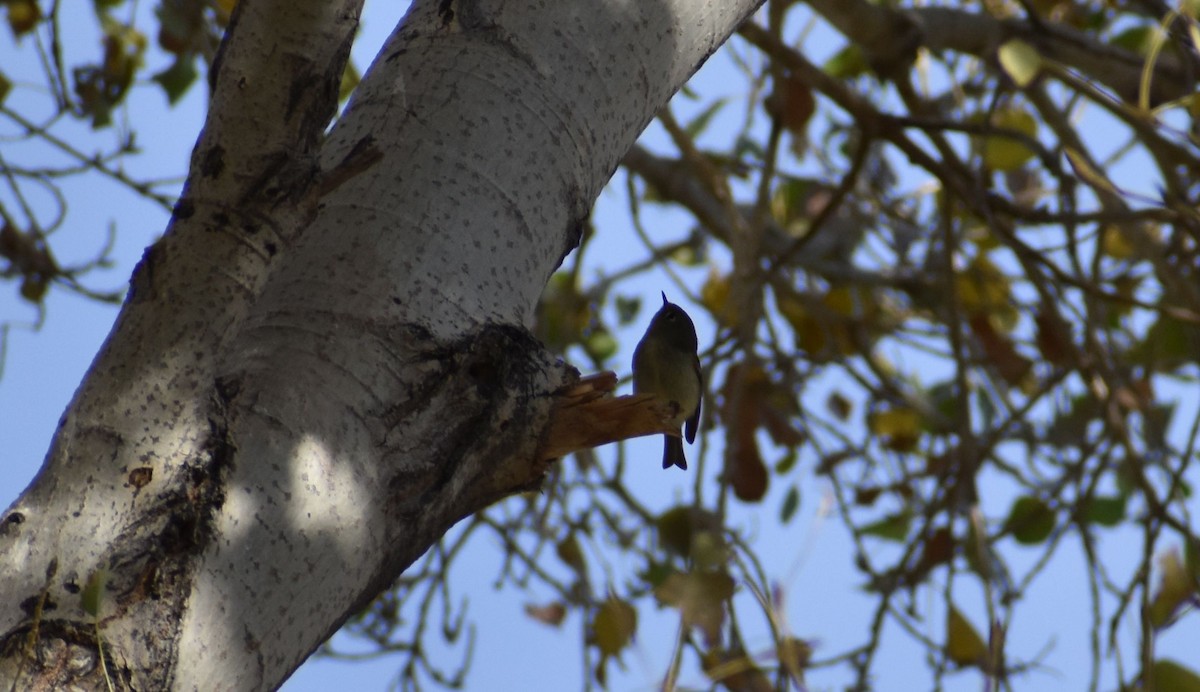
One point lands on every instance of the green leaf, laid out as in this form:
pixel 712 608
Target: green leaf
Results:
pixel 1030 520
pixel 93 592
pixel 614 626
pixel 847 63
pixel 893 527
pixel 1169 675
pixel 1020 60
pixel 600 345
pixel 791 502
pixel 964 646
pixel 1169 344
pixel 178 78
pixel 1105 510
pixel 698 124
pixel 571 554
pixel 1138 39
pixel 787 463
pixel 627 308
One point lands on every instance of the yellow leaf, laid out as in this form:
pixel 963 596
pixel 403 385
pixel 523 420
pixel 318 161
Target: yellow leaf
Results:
pixel 1175 587
pixel 964 646
pixel 1114 243
pixel 225 10
pixel 1002 152
pixel 1020 60
pixel 895 422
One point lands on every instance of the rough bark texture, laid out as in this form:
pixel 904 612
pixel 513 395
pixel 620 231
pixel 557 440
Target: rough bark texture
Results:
pixel 323 365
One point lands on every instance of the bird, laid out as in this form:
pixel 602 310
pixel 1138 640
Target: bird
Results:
pixel 665 364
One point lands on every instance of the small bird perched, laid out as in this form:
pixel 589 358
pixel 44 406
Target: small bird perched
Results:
pixel 665 364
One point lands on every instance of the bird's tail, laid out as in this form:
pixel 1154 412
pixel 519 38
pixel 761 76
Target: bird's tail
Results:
pixel 673 452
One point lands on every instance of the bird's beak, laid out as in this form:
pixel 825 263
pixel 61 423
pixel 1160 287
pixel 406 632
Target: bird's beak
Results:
pixel 664 295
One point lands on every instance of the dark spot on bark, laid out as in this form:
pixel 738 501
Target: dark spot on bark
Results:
pixel 140 477
pixel 180 534
pixel 71 587
pixel 396 300
pixel 14 518
pixel 213 163
pixel 270 248
pixel 29 605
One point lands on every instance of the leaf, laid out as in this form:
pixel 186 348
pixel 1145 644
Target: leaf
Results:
pixel 744 394
pixel 700 598
pixel 938 549
pixel 1003 152
pixel 791 502
pixel 791 103
pixel 1169 675
pixel 34 286
pixel 1138 39
pixel 1168 344
pixel 176 79
pixel 709 549
pixel 1176 585
pixel 614 626
pixel 571 554
pixel 600 344
pixel 1114 242
pixel 964 646
pixel 93 592
pixel 847 63
pixel 350 81
pixel 1030 521
pixel 787 463
pixel 674 528
pixel 23 15
pixel 794 655
pixel 1053 338
pixel 893 527
pixel 627 308
pixel 677 527
pixel 1105 510
pixel 734 670
pixel 698 124
pixel 5 87
pixel 895 422
pixel 1020 60
pixel 550 614
pixel 984 289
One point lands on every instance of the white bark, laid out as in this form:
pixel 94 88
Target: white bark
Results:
pixel 323 365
